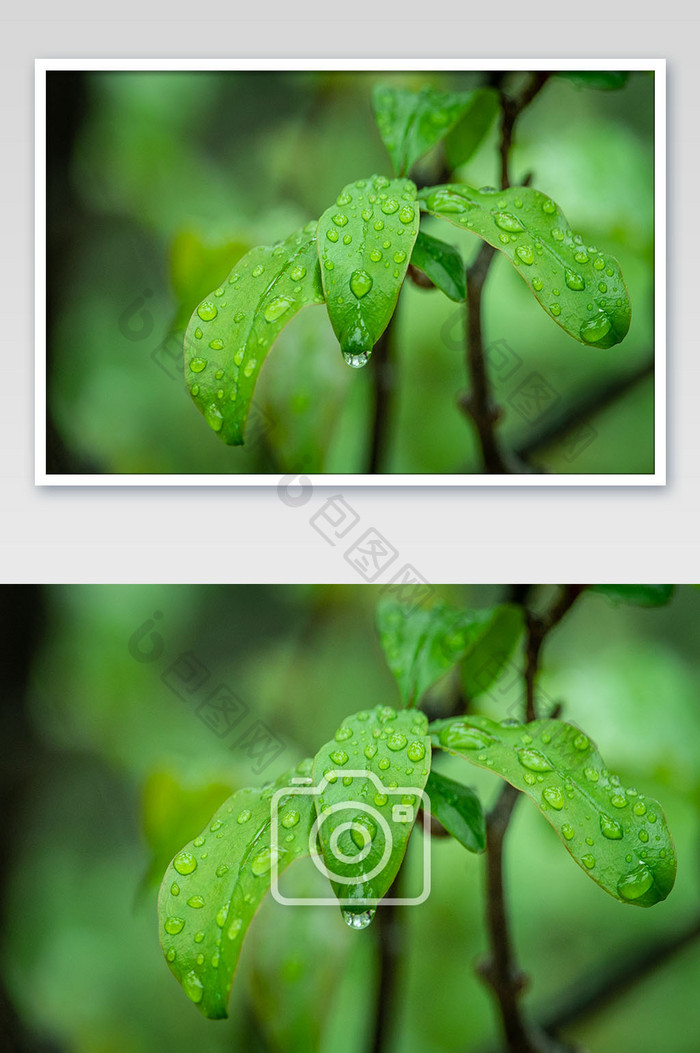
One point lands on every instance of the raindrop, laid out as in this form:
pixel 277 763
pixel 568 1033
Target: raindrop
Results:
pixel 339 757
pixel 276 308
pixel 170 955
pixel 195 901
pixel 596 328
pixel 537 284
pixel 581 742
pixel 356 361
pixel 633 886
pixel 610 828
pixel 175 889
pixel 388 207
pixel 618 800
pixel 588 861
pixel 297 273
pixel 194 988
pixel 244 816
pixel 207 310
pixel 360 284
pixel 555 309
pixel 397 741
pixel 416 751
pixel 262 863
pixel 375 255
pixel 214 420
pixel 347 238
pixel 508 222
pixel 185 863
pixel 173 925
pixel 221 869
pixel 198 333
pixel 525 254
pixel 332 235
pixel 399 257
pixel 558 234
pixel 459 737
pixel 198 364
pixel 567 831
pixel 406 214
pixel 357 920
pixel 257 271
pixel 554 797
pixel 573 280
pixel 290 819
pixel 533 760
pixel 340 219
pixel 548 206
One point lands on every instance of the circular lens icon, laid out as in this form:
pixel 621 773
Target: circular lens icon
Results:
pixel 361 831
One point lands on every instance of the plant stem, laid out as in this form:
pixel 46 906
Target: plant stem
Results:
pixel 389 924
pixel 537 628
pixel 479 404
pixel 501 970
pixel 382 367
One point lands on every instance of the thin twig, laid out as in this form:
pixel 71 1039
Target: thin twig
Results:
pixel 479 404
pixel 389 925
pixel 588 405
pixel 501 970
pixel 538 626
pixel 382 367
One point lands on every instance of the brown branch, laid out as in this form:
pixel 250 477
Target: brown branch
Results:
pixel 389 924
pixel 501 970
pixel 382 368
pixel 479 404
pixel 537 627
pixel 588 405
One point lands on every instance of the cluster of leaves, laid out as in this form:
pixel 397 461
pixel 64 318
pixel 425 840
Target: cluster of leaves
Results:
pixel 354 805
pixel 356 256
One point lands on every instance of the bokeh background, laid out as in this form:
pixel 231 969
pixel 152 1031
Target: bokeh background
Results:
pixel 107 771
pixel 158 181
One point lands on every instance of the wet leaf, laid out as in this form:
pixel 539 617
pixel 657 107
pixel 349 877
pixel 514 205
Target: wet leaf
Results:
pixel 638 595
pixel 215 884
pixel 232 330
pixel 411 122
pixel 443 265
pixel 604 80
pixel 421 645
pixel 370 778
pixel 365 242
pixel 466 137
pixel 579 287
pixel 617 836
pixel 458 809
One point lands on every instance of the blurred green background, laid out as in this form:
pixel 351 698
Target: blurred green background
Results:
pixel 158 181
pixel 107 771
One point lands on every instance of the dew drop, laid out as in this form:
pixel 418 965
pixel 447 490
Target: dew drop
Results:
pixel 459 737
pixel 558 234
pixel 173 925
pixel 171 955
pixel 370 750
pixel 588 861
pixel 537 284
pixel 347 238
pixel 599 264
pixel 198 364
pixel 276 308
pixel 533 760
pixel 567 831
pixel 548 206
pixel 573 280
pixel 222 869
pixel 388 208
pixel 525 254
pixel 340 219
pixel 332 235
pixel 257 271
pixel 195 901
pixel 343 199
pixel 581 742
pixel 290 819
pixel 214 419
pixel 618 800
pixel 356 361
pixel 554 797
pixel 175 889
pixel 234 928
pixel 297 273
pixel 198 333
pixel 207 310
pixel 194 988
pixel 384 763
pixel 555 309
pixel 596 328
pixel 339 757
pixel 244 816
pixel 262 862
pixel 643 836
pixel 633 886
pixel 610 828
pixel 357 920
pixel 185 863
pixel 399 257
pixel 581 257
pixel 397 741
pixel 416 751
pixel 506 221
pixel 249 367
pixel 360 284
pixel 375 255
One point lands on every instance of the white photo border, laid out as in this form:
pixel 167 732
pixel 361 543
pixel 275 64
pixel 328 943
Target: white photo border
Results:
pixel 658 66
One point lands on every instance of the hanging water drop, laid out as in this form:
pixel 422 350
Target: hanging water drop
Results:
pixel 357 920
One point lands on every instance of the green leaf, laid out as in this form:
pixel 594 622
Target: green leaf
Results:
pixel 410 122
pixel 214 886
pixel 459 810
pixel 464 139
pixel 372 776
pixel 638 595
pixel 232 330
pixel 581 288
pixel 443 265
pixel 365 242
pixel 604 80
pixel 492 650
pixel 421 645
pixel 617 836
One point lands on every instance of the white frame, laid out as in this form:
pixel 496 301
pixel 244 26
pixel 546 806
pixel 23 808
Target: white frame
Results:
pixel 658 478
